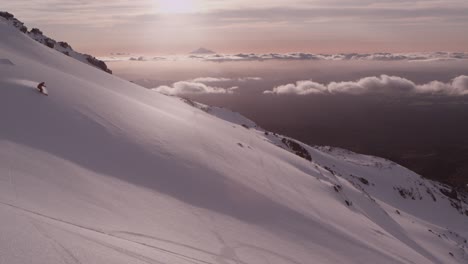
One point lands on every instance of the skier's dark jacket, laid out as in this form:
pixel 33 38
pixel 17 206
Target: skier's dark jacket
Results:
pixel 41 87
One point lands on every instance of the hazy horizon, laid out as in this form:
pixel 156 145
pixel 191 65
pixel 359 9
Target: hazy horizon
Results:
pixel 180 26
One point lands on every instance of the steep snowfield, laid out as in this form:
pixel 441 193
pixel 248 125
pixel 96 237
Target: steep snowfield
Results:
pixel 104 171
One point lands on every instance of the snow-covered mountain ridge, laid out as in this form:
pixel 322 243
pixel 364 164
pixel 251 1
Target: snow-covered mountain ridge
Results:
pixel 63 47
pixel 414 189
pixel 105 171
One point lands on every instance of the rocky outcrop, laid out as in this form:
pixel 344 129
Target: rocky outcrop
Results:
pixel 97 63
pixel 14 22
pixel 297 148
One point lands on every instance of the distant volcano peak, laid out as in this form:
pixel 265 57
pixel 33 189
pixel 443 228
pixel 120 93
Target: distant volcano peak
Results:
pixel 202 51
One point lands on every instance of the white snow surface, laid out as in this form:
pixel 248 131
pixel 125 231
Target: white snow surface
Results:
pixel 105 171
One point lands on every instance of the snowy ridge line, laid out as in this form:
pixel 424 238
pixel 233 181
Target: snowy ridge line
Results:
pixel 60 46
pixel 304 153
pixel 223 114
pixel 301 149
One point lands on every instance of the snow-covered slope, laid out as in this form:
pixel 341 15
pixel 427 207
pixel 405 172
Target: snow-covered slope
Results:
pixel 104 171
pixel 63 47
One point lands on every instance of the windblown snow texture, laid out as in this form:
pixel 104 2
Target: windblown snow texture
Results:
pixel 104 171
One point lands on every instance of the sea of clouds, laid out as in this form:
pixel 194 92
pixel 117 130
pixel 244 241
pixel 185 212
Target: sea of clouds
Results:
pixel 382 56
pixel 383 84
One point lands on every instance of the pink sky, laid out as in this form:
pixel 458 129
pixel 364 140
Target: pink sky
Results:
pixel 179 26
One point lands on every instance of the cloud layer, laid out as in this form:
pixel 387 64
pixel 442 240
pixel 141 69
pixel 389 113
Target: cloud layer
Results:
pixel 383 56
pixel 199 86
pixel 222 79
pixel 186 87
pixel 384 84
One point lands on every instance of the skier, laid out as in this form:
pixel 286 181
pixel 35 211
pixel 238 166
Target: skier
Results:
pixel 41 87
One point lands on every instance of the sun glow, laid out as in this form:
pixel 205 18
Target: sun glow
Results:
pixel 176 6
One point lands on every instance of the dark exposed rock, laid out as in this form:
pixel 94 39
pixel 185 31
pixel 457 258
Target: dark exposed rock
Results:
pixel 329 170
pixel 6 15
pixel 297 149
pixel 337 188
pixel 451 194
pixel 189 102
pixel 402 193
pixel 23 29
pixel 456 205
pixel 49 43
pixel 98 63
pixel 18 24
pixel 36 31
pixel 431 194
pixel 64 45
pixel 364 181
pixel 408 193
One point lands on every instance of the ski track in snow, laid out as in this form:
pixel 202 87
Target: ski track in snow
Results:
pixel 44 233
